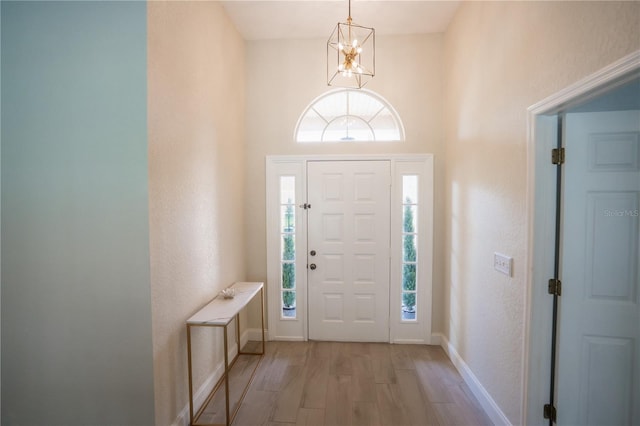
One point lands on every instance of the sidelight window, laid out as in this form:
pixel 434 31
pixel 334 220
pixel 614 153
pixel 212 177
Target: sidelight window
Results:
pixel 288 246
pixel 409 246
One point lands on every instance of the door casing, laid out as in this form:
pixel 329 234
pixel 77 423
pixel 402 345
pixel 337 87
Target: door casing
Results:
pixel 541 182
pixel 418 331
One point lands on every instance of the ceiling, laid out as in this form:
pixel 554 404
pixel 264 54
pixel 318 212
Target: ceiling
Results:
pixel 295 19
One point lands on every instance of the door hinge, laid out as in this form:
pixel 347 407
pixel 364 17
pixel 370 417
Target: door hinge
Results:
pixel 305 206
pixel 550 412
pixel 555 287
pixel 557 156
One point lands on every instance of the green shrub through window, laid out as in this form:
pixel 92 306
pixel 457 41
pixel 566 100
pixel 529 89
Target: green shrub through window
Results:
pixel 409 246
pixel 288 246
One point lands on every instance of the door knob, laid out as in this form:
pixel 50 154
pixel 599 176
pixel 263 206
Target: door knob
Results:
pixel 312 266
pixel 312 253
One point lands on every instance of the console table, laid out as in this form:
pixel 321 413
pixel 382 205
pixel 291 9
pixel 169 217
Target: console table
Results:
pixel 220 312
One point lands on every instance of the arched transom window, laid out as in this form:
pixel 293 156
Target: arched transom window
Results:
pixel 345 115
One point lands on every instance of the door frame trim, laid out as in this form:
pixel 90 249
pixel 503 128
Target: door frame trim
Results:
pixel 422 330
pixel 540 232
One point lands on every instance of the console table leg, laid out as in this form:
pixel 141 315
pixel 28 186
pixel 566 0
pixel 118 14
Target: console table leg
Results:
pixel 226 376
pixel 238 333
pixel 262 316
pixel 190 374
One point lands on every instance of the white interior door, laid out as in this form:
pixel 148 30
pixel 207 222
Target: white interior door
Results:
pixel 348 230
pixel 599 319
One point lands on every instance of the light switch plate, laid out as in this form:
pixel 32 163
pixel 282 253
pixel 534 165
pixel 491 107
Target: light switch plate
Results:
pixel 502 263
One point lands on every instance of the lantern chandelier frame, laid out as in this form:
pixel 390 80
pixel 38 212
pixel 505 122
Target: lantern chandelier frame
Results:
pixel 351 54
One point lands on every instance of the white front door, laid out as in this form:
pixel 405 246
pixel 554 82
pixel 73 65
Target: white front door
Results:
pixel 348 250
pixel 599 328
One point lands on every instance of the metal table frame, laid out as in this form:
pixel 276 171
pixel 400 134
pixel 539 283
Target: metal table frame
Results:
pixel 220 313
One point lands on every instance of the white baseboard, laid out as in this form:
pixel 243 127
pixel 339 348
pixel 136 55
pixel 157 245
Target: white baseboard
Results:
pixel 409 342
pixel 436 339
pixel 288 338
pixel 488 404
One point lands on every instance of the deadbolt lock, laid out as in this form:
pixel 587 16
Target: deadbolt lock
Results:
pixel 312 253
pixel 312 266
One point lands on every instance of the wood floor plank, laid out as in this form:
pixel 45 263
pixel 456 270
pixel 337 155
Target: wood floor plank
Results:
pixel 335 383
pixel 274 375
pixel 314 393
pixel 310 417
pixel 365 414
pixel 363 389
pixel 435 390
pixel 361 364
pixel 379 349
pixel 256 409
pixel 272 369
pixel 340 360
pixel 338 406
pixel 288 399
pixel 468 406
pixel 319 349
pixel 449 414
pixel 363 377
pixel 443 366
pixel 389 405
pixel 359 348
pixel 239 375
pixel 400 359
pixel 418 353
pixel 252 346
pixel 419 410
pixel 381 364
pixel 295 353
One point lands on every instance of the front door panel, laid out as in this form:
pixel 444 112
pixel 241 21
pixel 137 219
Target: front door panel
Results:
pixel 348 230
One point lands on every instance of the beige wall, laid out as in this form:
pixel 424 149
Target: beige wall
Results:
pixel 283 77
pixel 496 59
pixel 500 58
pixel 196 162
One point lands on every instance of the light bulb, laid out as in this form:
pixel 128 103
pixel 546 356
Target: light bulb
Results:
pixel 341 67
pixel 359 50
pixel 340 46
pixel 355 43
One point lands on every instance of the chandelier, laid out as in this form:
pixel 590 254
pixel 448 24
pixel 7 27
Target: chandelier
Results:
pixel 351 54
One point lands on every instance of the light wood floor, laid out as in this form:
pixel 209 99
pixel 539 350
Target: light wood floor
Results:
pixel 329 383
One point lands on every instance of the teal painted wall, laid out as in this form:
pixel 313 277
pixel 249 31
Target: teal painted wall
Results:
pixel 76 309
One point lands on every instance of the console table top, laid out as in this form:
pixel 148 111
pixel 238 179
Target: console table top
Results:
pixel 220 311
